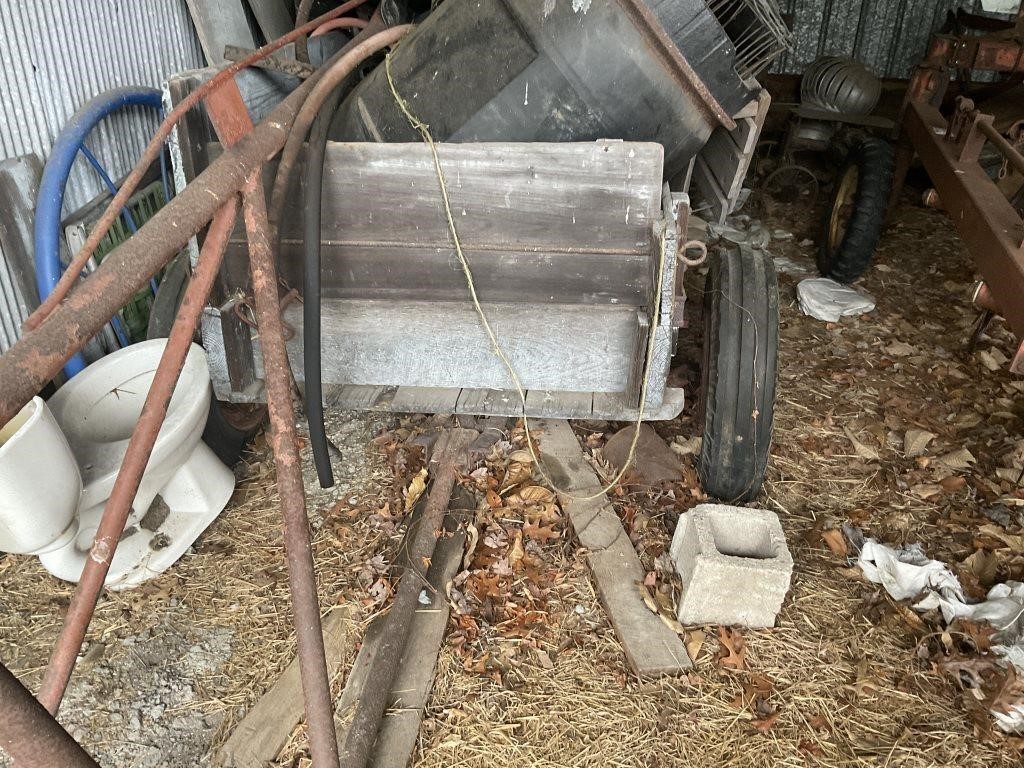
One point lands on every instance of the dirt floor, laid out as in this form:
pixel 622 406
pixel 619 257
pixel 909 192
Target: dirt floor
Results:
pixel 531 673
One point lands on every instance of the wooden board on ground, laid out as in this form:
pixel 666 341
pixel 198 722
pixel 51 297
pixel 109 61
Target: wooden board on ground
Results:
pixel 400 726
pixel 266 727
pixel 651 648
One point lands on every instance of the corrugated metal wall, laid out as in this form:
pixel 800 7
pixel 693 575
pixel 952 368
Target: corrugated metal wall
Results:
pixel 57 54
pixel 890 36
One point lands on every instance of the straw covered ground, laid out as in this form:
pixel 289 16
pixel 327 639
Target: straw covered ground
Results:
pixel 531 673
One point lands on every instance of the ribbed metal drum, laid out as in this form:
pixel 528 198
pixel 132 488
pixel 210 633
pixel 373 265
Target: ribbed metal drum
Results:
pixel 840 84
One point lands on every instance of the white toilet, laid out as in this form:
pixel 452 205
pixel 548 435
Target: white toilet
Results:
pixel 59 460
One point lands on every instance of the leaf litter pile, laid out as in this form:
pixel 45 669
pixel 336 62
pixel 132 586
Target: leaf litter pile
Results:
pixel 885 427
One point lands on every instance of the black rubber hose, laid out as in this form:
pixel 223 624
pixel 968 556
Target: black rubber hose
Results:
pixel 311 352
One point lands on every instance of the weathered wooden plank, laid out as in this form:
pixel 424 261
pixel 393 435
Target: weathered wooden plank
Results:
pixel 410 692
pixel 651 648
pixel 722 164
pixel 612 406
pixel 352 397
pixel 266 727
pixel 599 195
pixel 405 272
pixel 559 405
pixel 571 348
pixel 486 402
pixel 425 400
pixel 219 23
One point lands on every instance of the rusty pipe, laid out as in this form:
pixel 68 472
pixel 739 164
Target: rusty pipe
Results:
pixel 140 446
pixel 316 688
pixel 332 77
pixel 1002 144
pixel 152 153
pixel 448 457
pixel 30 735
pixel 348 22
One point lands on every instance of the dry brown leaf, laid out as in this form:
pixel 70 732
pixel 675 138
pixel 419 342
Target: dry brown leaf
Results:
pixel 533 493
pixel 493 499
pixel 733 652
pixel 671 623
pixel 540 533
pixel 516 552
pixel 863 682
pixel 416 487
pixel 958 459
pixel 864 451
pixel 648 598
pixel 983 565
pixel 915 441
pixel 836 541
pixel 694 641
pixel 521 456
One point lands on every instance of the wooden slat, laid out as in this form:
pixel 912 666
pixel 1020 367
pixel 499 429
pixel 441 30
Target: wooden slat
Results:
pixel 487 402
pixel 352 397
pixel 612 406
pixel 593 196
pixel 559 405
pixel 266 727
pixel 219 23
pixel 410 692
pixel 425 400
pixel 443 344
pixel 404 272
pixel 651 648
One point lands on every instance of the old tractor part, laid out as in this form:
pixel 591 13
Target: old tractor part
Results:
pixel 856 213
pixel 951 150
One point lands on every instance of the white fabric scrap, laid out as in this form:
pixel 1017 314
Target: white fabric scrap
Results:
pixel 827 300
pixel 908 574
pixel 1000 6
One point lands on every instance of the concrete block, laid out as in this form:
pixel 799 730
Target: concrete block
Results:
pixel 734 565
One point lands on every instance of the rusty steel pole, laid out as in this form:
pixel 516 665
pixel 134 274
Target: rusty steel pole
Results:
pixel 316 683
pixel 30 735
pixel 448 457
pixel 140 446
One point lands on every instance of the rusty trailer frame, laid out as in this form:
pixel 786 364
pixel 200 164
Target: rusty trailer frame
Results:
pixel 950 149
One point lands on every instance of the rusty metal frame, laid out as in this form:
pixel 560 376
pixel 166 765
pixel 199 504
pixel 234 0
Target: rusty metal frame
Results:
pixel 989 225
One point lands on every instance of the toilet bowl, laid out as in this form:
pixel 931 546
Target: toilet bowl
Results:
pixel 184 488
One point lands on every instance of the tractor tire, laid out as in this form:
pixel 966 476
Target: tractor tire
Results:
pixel 856 214
pixel 741 339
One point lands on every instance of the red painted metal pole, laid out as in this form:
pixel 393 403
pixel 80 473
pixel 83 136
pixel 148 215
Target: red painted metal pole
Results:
pixel 30 735
pixel 140 446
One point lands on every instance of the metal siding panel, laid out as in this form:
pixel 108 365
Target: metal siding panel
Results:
pixel 889 36
pixel 55 55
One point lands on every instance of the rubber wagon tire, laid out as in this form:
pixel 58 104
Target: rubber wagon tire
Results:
pixel 849 238
pixel 741 339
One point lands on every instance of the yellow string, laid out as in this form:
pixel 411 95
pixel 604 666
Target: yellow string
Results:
pixel 424 131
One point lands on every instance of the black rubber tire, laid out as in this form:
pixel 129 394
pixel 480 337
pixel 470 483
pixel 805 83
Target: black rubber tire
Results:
pixel 741 340
pixel 850 259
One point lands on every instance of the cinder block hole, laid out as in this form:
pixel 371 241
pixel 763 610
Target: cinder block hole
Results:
pixel 749 538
